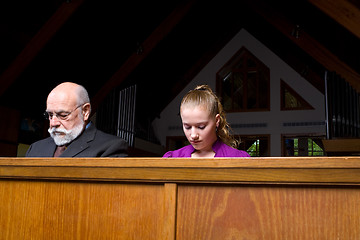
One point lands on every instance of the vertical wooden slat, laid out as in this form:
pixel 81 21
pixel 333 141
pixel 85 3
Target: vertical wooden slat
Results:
pixel 342 108
pixel 170 203
pixel 328 107
pixel 335 103
pixel 357 115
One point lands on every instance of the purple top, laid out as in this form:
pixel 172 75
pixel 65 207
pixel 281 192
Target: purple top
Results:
pixel 220 149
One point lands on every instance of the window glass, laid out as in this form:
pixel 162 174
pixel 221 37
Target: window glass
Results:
pixel 303 146
pixel 243 83
pixel 255 145
pixel 291 100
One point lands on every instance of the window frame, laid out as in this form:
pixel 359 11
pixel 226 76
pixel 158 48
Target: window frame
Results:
pixel 244 55
pixel 252 137
pixel 310 135
pixel 305 104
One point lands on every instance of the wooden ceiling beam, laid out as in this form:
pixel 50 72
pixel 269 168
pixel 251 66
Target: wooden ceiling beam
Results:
pixel 37 43
pixel 311 46
pixel 342 11
pixel 19 37
pixel 146 47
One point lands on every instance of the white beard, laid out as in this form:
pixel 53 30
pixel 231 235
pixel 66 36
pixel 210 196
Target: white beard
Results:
pixel 62 136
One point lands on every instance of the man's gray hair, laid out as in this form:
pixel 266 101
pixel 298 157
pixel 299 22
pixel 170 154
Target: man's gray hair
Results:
pixel 83 96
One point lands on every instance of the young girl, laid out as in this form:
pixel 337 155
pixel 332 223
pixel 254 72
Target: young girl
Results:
pixel 205 127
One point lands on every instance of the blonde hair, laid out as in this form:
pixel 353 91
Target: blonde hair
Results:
pixel 203 95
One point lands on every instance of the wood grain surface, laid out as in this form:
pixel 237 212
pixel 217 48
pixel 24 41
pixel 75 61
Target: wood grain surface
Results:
pixel 180 199
pixel 235 212
pixel 79 210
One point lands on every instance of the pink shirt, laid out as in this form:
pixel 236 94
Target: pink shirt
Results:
pixel 220 149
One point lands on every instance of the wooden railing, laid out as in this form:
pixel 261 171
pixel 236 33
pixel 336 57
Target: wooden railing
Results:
pixel 154 198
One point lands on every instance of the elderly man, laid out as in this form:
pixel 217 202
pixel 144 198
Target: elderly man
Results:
pixel 71 133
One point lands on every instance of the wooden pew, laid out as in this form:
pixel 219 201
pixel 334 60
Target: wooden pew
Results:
pixel 154 198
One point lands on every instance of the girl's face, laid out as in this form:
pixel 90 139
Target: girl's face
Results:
pixel 199 127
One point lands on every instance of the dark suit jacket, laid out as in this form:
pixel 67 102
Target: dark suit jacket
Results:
pixel 91 143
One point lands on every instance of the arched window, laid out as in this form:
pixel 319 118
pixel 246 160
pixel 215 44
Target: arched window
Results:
pixel 243 83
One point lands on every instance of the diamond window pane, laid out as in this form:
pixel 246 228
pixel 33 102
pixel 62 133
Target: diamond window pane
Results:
pixel 238 90
pixel 227 93
pixel 248 89
pixel 251 89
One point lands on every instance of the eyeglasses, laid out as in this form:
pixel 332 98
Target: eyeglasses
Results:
pixel 59 115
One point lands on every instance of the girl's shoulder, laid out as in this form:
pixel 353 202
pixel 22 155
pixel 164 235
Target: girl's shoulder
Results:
pixel 181 152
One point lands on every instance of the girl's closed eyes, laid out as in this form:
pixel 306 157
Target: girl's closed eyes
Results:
pixel 187 127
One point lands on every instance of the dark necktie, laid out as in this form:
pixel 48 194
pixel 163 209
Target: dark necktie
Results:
pixel 59 150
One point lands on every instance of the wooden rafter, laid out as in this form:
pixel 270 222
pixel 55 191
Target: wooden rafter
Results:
pixel 35 45
pixel 342 11
pixel 312 47
pixel 147 46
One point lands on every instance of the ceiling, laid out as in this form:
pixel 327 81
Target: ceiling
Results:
pixel 161 45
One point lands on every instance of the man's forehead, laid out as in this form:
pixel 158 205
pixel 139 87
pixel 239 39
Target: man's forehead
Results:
pixel 61 99
pixel 58 106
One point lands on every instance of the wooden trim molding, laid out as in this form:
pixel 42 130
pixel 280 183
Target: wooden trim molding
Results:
pixel 268 170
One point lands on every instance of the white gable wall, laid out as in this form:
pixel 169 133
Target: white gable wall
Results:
pixel 272 122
